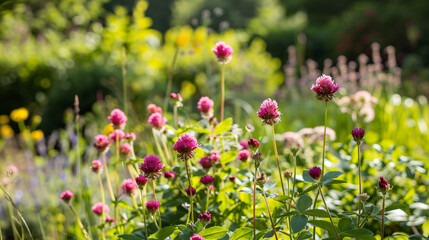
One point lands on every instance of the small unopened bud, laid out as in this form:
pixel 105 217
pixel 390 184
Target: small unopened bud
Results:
pixel 258 158
pixel 253 144
pixel 294 150
pixel 287 174
pixel 363 197
pixel 261 180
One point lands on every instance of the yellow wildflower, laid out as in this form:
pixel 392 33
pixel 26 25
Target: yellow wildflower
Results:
pixel 4 119
pixel 184 36
pixel 36 120
pixel 37 135
pixel 18 115
pixel 6 131
pixel 108 129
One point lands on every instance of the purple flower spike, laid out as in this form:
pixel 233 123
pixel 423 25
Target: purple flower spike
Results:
pixel 152 206
pixel 207 180
pixel 151 166
pixel 358 135
pixel 185 146
pixel 205 217
pixel 383 185
pixel 315 172
pixel 325 88
pixel 223 52
pixel 269 112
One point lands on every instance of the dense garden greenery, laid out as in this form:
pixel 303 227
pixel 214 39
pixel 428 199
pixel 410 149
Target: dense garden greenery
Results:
pixel 91 104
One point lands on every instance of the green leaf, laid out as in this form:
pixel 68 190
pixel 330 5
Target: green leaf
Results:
pixel 129 237
pixel 322 224
pixel 308 189
pixel 213 233
pixel 344 224
pixel 304 235
pixel 316 213
pixel 260 235
pixel 329 176
pixel 298 222
pixel 336 181
pixel 223 126
pixel 307 177
pixel 395 206
pixel 357 232
pixel 228 156
pixel 418 236
pixel 269 185
pixel 242 234
pixel 163 233
pixel 201 130
pixel 282 198
pixel 304 202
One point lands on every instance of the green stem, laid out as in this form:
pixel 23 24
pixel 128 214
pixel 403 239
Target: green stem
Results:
pixel 175 115
pixel 167 151
pixel 360 184
pixel 191 210
pixel 222 93
pixel 329 214
pixel 294 176
pixel 109 184
pixel 144 212
pixel 288 210
pixel 382 217
pixel 104 204
pixel 124 81
pixel 157 144
pixel 85 233
pixel 154 196
pixel 170 79
pixel 269 214
pixel 154 220
pixel 207 199
pixel 323 164
pixel 278 162
pixel 254 204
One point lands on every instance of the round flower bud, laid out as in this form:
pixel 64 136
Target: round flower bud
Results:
pixel 118 119
pixel 269 112
pixel 207 180
pixel 152 206
pixel 97 166
pixel 253 144
pixel 358 135
pixel 66 196
pixel 185 146
pixel 141 180
pixel 99 208
pixel 205 217
pixel 190 190
pixel 287 174
pixel 315 172
pixel 325 88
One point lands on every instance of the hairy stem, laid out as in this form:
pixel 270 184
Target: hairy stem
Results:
pixel 278 162
pixel 329 214
pixel 269 214
pixel 360 184
pixel 104 203
pixel 382 217
pixel 144 212
pixel 191 210
pixel 254 204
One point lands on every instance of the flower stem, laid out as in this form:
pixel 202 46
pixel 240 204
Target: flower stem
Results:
pixel 85 233
pixel 360 185
pixel 175 116
pixel 294 176
pixel 157 144
pixel 170 79
pixel 382 217
pixel 124 80
pixel 254 204
pixel 288 210
pixel 278 162
pixel 191 211
pixel 143 211
pixel 154 220
pixel 104 204
pixel 109 184
pixel 329 214
pixel 167 152
pixel 323 164
pixel 154 196
pixel 207 199
pixel 222 93
pixel 269 214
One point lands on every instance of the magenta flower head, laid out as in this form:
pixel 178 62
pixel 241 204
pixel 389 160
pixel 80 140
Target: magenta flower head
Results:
pixel 102 143
pixel 253 144
pixel 244 144
pixel 190 190
pixel 287 174
pixel 383 185
pixel 152 206
pixel 315 172
pixel 205 217
pixel 176 98
pixel 196 237
pixel 185 146
pixel 125 149
pixel 118 133
pixel 141 181
pixel 118 119
pixel 243 155
pixel 223 52
pixel 232 178
pixel 152 108
pixel 66 196
pixel 99 207
pixel 129 186
pixel 151 166
pixel 205 105
pixel 269 112
pixel 130 136
pixel 110 219
pixel 207 180
pixel 325 88
pixel 170 175
pixel 206 162
pixel 97 166
pixel 215 156
pixel 157 120
pixel 358 135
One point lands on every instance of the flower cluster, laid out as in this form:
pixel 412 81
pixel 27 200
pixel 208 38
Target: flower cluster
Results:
pixel 118 119
pixel 325 88
pixel 269 112
pixel 157 120
pixel 223 52
pixel 151 166
pixel 185 146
